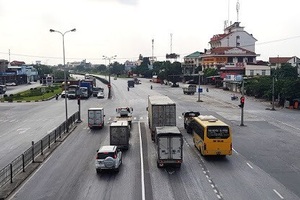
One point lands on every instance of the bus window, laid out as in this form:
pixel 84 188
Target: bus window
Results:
pixel 215 132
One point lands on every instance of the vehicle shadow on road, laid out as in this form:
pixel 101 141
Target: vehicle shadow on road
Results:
pixel 216 158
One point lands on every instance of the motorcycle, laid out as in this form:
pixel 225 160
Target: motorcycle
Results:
pixel 234 98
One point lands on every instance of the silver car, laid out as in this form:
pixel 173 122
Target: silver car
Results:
pixel 108 158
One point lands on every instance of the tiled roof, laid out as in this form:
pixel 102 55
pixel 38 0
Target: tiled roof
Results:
pixel 196 54
pixel 279 59
pixel 218 37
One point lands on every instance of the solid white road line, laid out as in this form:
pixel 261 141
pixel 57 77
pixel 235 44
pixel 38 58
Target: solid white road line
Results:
pixel 281 197
pixel 142 163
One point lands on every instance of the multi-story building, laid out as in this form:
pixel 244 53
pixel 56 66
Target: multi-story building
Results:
pixel 191 62
pixel 234 48
pixel 276 62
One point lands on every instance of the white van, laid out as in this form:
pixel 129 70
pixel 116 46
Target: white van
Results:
pixel 96 117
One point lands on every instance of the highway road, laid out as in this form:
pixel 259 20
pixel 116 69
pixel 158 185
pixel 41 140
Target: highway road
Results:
pixel 264 164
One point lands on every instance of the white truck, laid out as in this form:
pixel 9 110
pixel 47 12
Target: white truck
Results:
pixel 161 112
pixel 124 114
pixel 169 146
pixel 189 88
pixel 96 118
pixel 119 133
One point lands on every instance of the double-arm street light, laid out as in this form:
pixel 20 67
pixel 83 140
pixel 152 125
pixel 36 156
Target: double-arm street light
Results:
pixel 109 85
pixel 65 74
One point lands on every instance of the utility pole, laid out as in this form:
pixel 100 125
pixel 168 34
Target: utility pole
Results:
pixel 109 83
pixel 242 101
pixel 199 88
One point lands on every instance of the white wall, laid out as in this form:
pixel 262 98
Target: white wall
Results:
pixel 257 70
pixel 246 41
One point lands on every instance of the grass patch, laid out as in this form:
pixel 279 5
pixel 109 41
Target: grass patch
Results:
pixel 34 94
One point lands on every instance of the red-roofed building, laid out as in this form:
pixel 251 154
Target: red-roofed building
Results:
pixel 234 48
pixel 278 61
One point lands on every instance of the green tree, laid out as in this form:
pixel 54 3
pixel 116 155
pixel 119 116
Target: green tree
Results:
pixel 43 69
pixel 286 71
pixel 117 68
pixel 144 68
pixel 210 72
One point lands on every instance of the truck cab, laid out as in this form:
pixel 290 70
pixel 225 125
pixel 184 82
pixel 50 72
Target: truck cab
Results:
pixel 124 114
pixel 130 83
pixel 187 117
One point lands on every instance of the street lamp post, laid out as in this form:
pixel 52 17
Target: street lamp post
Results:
pixel 109 85
pixel 65 74
pixel 273 91
pixel 273 87
pixel 199 88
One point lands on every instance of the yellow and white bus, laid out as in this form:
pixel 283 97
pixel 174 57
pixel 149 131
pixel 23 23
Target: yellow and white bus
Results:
pixel 211 136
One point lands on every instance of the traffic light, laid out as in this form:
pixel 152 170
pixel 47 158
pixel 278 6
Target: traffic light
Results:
pixel 242 101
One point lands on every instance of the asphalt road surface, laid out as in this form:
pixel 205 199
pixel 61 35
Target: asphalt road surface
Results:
pixel 264 165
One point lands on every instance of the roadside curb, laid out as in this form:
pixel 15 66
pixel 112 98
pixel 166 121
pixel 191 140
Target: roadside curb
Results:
pixel 18 101
pixel 9 188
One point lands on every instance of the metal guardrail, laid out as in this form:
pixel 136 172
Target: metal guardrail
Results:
pixel 20 163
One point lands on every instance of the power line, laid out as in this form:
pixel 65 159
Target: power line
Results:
pixel 130 58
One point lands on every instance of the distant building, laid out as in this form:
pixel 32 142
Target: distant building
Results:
pixel 234 48
pixel 234 36
pixel 276 62
pixel 191 62
pixel 129 65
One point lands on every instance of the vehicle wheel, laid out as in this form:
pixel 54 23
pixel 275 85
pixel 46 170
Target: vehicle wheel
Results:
pixel 98 171
pixel 201 151
pixel 189 130
pixel 184 126
pixel 159 165
pixel 117 170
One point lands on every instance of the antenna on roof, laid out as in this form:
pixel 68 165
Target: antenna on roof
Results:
pixel 171 35
pixel 226 22
pixel 237 10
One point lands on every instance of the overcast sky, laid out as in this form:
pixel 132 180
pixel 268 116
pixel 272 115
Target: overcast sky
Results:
pixel 126 28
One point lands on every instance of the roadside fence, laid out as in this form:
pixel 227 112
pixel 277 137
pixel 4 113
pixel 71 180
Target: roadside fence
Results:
pixel 19 164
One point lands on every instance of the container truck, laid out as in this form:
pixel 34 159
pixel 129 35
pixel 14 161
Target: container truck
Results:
pixel 189 88
pixel 119 133
pixel 89 85
pixel 161 112
pixel 73 91
pixel 84 92
pixel 169 146
pixel 96 118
